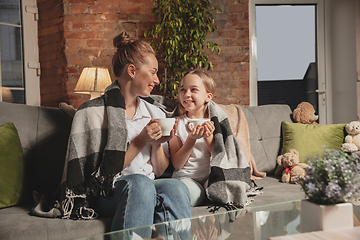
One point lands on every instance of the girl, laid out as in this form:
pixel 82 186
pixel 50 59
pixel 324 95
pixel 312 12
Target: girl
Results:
pixel 115 149
pixel 191 149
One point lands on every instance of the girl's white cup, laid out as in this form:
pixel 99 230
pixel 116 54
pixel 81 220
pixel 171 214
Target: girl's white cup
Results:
pixel 166 125
pixel 195 122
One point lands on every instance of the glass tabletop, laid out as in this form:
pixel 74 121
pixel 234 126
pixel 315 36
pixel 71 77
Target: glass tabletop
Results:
pixel 260 222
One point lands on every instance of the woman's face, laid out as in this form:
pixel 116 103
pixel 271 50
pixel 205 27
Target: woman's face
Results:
pixel 145 77
pixel 193 94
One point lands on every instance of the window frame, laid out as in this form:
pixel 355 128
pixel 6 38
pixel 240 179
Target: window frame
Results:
pixel 30 50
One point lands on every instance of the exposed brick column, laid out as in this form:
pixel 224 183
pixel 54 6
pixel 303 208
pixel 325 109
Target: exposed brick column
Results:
pixel 51 52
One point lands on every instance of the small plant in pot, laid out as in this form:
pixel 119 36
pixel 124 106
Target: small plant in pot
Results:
pixel 330 182
pixel 331 178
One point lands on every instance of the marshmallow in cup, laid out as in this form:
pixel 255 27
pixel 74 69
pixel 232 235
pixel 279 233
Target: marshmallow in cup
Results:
pixel 195 122
pixel 166 125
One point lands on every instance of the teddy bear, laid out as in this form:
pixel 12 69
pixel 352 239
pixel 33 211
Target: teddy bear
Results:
pixel 293 169
pixel 352 140
pixel 305 113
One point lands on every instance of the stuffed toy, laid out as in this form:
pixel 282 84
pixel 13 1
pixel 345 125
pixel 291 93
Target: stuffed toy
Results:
pixel 293 169
pixel 305 114
pixel 352 140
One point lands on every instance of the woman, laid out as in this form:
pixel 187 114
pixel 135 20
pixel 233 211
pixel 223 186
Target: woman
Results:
pixel 115 150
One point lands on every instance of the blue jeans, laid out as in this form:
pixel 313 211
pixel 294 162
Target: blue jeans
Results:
pixel 140 201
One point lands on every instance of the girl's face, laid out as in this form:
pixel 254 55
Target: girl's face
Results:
pixel 193 95
pixel 145 77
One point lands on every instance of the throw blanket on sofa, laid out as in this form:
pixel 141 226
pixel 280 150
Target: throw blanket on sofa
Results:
pixel 229 179
pixel 97 146
pixel 240 129
pixel 230 182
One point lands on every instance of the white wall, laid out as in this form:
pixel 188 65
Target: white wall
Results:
pixel 341 59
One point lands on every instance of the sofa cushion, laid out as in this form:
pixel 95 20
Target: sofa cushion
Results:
pixel 17 223
pixel 265 133
pixel 43 134
pixel 11 166
pixel 310 140
pixel 49 156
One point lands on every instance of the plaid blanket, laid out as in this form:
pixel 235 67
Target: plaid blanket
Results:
pixel 230 183
pixel 97 145
pixel 229 179
pixel 96 150
pixel 98 142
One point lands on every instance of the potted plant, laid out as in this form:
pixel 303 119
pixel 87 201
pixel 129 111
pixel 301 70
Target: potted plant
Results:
pixel 180 38
pixel 330 182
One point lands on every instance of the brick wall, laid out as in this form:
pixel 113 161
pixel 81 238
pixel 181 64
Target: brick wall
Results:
pixel 231 67
pixel 51 52
pixel 84 29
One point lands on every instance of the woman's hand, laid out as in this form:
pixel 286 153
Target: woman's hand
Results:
pixel 152 131
pixel 158 159
pixel 172 133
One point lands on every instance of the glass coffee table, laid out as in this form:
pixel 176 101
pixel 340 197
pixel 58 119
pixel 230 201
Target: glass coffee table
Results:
pixel 260 222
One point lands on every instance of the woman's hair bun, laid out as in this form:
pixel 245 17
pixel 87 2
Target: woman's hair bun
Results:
pixel 122 40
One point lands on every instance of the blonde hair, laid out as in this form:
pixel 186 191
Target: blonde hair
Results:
pixel 128 51
pixel 208 82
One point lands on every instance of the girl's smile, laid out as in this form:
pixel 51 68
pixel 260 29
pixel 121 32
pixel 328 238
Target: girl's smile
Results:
pixel 193 96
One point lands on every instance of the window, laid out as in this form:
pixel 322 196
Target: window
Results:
pixel 286 41
pixel 286 54
pixel 287 60
pixel 19 68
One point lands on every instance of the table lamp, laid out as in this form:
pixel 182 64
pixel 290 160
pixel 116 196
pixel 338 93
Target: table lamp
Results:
pixel 93 81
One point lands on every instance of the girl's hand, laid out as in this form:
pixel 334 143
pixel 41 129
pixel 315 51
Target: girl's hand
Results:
pixel 209 128
pixel 197 132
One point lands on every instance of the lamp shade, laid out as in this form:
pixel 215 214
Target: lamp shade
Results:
pixel 93 80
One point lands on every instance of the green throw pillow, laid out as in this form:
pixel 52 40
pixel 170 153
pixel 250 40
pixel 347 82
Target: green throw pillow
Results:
pixel 11 166
pixel 310 140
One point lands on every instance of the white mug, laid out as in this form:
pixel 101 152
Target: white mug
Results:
pixel 166 125
pixel 195 122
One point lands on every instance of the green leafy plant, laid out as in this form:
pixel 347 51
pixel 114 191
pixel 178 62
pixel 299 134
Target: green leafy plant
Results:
pixel 331 178
pixel 180 38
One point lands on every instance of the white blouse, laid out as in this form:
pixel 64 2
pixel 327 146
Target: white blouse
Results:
pixel 141 164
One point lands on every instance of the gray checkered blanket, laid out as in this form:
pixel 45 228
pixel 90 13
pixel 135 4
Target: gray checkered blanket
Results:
pixel 98 142
pixel 229 179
